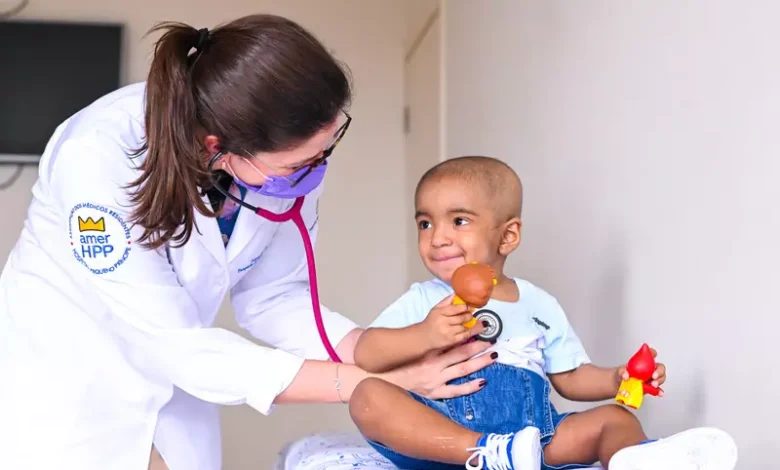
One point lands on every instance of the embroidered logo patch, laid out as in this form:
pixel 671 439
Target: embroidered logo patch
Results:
pixel 99 238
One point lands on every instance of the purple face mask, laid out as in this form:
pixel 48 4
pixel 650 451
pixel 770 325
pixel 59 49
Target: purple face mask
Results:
pixel 282 186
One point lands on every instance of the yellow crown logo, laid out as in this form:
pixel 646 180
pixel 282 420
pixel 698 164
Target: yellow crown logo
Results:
pixel 91 225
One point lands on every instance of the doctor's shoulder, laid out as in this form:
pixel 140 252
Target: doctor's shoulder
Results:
pixel 102 139
pixel 125 155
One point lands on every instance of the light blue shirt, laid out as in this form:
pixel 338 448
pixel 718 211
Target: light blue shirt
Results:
pixel 535 328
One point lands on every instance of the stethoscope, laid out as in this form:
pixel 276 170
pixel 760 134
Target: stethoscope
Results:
pixel 294 214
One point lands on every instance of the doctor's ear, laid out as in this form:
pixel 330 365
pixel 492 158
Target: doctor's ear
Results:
pixel 213 146
pixel 510 239
pixel 211 142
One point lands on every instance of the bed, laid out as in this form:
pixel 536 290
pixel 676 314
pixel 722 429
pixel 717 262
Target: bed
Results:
pixel 336 451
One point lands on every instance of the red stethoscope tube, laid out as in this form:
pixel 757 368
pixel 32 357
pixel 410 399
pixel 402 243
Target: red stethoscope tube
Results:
pixel 294 214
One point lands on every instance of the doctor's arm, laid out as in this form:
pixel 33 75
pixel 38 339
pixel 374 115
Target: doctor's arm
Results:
pixel 273 299
pixel 135 295
pixel 316 381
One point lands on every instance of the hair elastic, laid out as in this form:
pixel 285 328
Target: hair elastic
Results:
pixel 203 36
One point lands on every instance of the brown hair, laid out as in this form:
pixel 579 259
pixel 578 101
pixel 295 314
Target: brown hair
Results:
pixel 260 83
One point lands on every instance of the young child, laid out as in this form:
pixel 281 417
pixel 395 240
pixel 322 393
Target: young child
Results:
pixel 468 209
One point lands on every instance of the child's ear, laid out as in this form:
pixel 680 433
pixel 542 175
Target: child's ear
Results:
pixel 511 238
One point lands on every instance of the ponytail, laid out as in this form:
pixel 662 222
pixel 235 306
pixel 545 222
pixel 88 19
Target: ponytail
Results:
pixel 260 83
pixel 173 170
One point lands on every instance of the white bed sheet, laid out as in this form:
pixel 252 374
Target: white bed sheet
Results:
pixel 337 451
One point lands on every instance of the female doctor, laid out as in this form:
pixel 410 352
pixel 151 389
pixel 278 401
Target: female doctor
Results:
pixel 134 236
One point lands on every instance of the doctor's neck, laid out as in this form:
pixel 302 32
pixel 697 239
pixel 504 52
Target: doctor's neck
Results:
pixel 198 86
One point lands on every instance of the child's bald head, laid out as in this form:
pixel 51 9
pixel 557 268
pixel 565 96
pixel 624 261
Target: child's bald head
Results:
pixel 494 179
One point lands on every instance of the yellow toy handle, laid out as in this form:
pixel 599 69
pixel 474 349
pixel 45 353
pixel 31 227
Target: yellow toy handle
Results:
pixel 469 324
pixel 630 393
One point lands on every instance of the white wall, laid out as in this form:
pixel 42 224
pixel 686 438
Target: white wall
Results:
pixel 369 37
pixel 646 135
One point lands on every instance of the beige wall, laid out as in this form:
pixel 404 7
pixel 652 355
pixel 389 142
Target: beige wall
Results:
pixel 423 107
pixel 646 133
pixel 360 252
pixel 416 14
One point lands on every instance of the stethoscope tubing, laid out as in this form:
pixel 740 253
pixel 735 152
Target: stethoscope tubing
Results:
pixel 294 214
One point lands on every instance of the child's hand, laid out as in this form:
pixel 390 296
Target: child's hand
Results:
pixel 444 324
pixel 659 375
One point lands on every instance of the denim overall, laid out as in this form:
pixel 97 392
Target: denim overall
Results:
pixel 512 399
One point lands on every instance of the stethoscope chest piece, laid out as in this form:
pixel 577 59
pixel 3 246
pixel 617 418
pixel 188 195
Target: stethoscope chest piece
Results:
pixel 494 325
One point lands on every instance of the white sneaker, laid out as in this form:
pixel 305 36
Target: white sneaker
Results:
pixel 694 449
pixel 518 451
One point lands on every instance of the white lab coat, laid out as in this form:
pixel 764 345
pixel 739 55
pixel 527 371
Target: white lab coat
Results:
pixel 101 358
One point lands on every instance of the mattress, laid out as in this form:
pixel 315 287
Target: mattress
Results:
pixel 336 451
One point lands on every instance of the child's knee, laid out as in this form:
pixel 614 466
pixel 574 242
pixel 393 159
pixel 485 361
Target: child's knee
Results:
pixel 368 399
pixel 369 387
pixel 617 416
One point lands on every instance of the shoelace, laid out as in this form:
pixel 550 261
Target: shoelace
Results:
pixel 494 455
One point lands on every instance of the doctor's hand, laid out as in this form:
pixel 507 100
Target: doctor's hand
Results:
pixel 443 327
pixel 428 376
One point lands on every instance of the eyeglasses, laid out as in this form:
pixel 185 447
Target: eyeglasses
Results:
pixel 322 159
pixel 328 150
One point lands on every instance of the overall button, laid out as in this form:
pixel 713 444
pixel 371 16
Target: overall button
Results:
pixel 469 416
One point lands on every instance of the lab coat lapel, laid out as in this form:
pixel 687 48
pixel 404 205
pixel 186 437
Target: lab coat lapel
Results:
pixel 249 224
pixel 210 235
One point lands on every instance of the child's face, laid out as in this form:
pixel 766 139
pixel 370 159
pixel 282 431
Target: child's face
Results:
pixel 456 225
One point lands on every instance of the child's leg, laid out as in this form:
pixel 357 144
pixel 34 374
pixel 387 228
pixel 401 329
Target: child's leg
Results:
pixel 388 415
pixel 611 434
pixel 593 435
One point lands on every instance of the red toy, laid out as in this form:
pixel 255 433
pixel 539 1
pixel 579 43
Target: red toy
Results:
pixel 640 371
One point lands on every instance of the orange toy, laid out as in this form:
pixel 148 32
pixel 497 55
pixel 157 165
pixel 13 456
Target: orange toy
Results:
pixel 473 285
pixel 640 370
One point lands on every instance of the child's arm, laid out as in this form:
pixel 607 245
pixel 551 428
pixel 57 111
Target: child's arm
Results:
pixel 382 349
pixel 587 383
pixel 566 363
pixel 593 383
